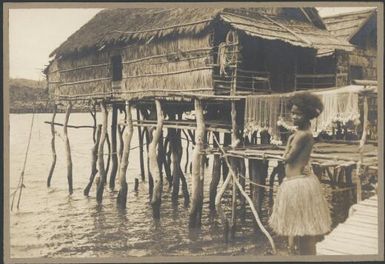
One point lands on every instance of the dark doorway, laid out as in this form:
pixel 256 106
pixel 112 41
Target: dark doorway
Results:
pixel 117 67
pixel 356 73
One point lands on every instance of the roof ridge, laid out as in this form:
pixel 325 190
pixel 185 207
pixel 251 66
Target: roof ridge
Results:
pixel 352 13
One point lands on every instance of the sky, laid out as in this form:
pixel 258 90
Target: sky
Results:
pixel 34 33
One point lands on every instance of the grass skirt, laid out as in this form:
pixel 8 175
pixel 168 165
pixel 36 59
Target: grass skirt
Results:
pixel 300 208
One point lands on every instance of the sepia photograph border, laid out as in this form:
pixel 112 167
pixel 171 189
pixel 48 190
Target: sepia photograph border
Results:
pixel 249 258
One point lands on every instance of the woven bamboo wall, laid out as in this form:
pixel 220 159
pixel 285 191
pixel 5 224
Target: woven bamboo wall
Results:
pixel 182 64
pixel 367 59
pixel 82 76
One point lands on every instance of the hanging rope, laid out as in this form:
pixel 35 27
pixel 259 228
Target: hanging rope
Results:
pixel 21 185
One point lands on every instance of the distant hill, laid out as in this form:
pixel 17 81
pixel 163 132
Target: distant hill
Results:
pixel 28 95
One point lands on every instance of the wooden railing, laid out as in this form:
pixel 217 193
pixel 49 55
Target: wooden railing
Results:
pixel 311 81
pixel 246 82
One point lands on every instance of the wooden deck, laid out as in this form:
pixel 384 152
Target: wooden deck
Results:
pixel 358 235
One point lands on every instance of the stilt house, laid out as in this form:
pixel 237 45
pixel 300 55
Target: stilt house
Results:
pixel 166 62
pixel 360 29
pixel 135 53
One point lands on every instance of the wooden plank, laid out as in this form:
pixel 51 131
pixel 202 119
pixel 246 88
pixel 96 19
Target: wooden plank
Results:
pixel 363 233
pixel 363 208
pixel 361 221
pixel 348 248
pixel 365 214
pixel 356 242
pixel 326 251
pixel 361 225
pixel 369 203
pixel 364 219
pixel 371 212
pixel 368 240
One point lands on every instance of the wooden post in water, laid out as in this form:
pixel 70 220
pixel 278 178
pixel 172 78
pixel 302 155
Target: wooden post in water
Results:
pixel 141 159
pixel 114 155
pixel 122 195
pixel 120 137
pixel 148 134
pixel 216 176
pixel 359 169
pixel 234 167
pixel 68 148
pixel 102 172
pixel 177 173
pixel 93 114
pixel 108 157
pixel 197 175
pixel 121 129
pixel 175 166
pixel 154 167
pixel 242 181
pixel 53 148
pixel 226 142
pixel 187 150
pixel 160 155
pixel 94 169
pixel 166 160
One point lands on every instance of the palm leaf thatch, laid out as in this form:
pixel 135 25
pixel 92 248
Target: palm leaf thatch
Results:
pixel 169 49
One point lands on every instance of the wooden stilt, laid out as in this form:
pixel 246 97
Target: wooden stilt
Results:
pixel 108 157
pixel 216 175
pixel 218 198
pixel 102 172
pixel 259 172
pixel 53 148
pixel 154 168
pixel 160 156
pixel 197 169
pixel 148 135
pixel 166 160
pixel 359 169
pixel 234 166
pixel 242 171
pixel 122 195
pixel 114 154
pixel 177 175
pixel 141 159
pixel 120 137
pixel 175 164
pixel 93 114
pixel 187 151
pixel 94 169
pixel 192 138
pixel 120 132
pixel 226 142
pixel 68 148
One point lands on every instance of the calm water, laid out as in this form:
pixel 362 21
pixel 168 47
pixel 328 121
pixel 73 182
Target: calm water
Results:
pixel 50 223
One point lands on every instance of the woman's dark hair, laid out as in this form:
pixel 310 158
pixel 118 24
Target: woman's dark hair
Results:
pixel 310 104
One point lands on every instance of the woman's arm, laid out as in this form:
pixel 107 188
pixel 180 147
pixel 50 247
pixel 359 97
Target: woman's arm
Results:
pixel 297 145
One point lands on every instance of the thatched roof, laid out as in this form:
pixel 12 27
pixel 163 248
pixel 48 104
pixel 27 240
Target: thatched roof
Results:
pixel 123 26
pixel 295 32
pixel 345 26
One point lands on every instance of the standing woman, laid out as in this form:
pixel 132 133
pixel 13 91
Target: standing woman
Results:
pixel 300 209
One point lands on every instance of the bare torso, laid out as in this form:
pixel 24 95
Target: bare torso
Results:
pixel 297 153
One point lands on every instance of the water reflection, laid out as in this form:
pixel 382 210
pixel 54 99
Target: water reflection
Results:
pixel 51 223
